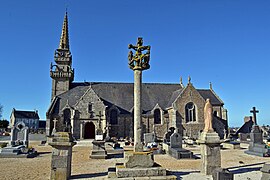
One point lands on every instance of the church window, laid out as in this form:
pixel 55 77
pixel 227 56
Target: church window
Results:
pixel 67 116
pixel 157 116
pixel 190 112
pixel 90 107
pixel 114 117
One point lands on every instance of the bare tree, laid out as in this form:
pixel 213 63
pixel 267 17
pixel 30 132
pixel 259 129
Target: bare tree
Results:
pixel 1 111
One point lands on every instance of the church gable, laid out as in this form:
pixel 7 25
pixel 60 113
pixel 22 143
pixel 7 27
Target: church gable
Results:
pixel 89 105
pixel 189 105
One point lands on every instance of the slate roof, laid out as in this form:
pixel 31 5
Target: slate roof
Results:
pixel 207 93
pixel 25 114
pixel 121 95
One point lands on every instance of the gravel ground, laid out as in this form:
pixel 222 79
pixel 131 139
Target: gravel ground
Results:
pixel 84 168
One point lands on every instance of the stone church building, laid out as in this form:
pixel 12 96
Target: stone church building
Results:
pixel 83 107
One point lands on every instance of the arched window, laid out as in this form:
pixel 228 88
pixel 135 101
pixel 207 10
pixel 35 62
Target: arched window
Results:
pixel 113 116
pixel 157 117
pixel 67 116
pixel 190 112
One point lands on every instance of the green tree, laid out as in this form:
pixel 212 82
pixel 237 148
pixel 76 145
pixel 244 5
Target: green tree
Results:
pixel 4 123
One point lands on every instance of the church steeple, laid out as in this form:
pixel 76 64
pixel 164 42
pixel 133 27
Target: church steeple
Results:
pixel 62 73
pixel 64 40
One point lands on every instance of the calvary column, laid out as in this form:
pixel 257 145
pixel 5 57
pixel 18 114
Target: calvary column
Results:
pixel 138 63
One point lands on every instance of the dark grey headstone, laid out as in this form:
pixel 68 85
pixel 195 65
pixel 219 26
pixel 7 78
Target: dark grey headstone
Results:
pixel 222 174
pixel 256 135
pixel 176 140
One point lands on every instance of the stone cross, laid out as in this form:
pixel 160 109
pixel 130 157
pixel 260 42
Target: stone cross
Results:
pixel 138 63
pixel 254 111
pixel 54 126
pixel 225 135
pixel 99 120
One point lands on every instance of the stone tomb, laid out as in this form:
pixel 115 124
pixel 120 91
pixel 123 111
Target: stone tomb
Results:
pixel 231 145
pixel 19 143
pixel 98 151
pixel 256 145
pixel 175 148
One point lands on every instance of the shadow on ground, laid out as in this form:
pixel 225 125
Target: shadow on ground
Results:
pixel 40 153
pixel 244 170
pixel 83 176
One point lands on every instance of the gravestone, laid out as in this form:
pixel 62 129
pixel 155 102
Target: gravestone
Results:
pixel 99 151
pixel 20 135
pixel 265 171
pixel 175 147
pixel 149 138
pixel 222 174
pixel 243 136
pixel 166 138
pixel 256 145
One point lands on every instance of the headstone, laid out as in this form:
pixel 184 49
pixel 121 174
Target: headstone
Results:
pixel 20 135
pixel 149 138
pixel 265 171
pixel 256 145
pixel 176 140
pixel 175 147
pixel 168 134
pixel 243 136
pixel 62 144
pixel 222 174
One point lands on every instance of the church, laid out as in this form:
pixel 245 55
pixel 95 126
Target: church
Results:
pixel 84 107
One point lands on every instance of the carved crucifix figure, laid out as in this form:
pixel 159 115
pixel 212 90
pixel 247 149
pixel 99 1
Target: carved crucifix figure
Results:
pixel 139 60
pixel 254 111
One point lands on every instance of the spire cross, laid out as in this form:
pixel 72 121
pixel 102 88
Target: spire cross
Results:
pixel 254 111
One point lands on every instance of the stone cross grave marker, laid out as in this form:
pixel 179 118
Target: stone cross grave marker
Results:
pixel 54 126
pixel 99 132
pixel 254 111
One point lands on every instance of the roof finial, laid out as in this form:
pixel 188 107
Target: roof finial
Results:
pixel 189 79
pixel 181 81
pixel 210 84
pixel 64 41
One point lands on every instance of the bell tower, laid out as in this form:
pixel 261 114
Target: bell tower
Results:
pixel 61 72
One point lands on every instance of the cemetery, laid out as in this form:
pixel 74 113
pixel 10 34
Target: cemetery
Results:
pixel 132 131
pixel 145 156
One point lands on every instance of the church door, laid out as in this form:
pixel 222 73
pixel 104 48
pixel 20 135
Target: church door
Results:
pixel 89 130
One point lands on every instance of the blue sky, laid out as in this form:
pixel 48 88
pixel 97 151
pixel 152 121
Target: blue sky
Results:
pixel 226 42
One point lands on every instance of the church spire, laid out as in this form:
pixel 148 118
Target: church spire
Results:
pixel 64 41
